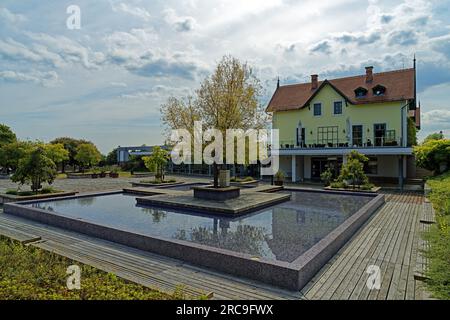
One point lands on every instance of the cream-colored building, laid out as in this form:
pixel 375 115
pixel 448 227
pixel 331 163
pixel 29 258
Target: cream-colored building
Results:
pixel 322 121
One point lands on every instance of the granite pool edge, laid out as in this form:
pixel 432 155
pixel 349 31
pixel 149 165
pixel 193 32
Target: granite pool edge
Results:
pixel 291 276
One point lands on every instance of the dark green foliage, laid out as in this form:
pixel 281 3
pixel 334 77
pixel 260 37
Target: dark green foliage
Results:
pixel 439 238
pixel 6 135
pixel 27 272
pixel 433 155
pixel 35 168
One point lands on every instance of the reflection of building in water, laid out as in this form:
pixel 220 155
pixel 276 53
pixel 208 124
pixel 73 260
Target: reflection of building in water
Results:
pixel 295 231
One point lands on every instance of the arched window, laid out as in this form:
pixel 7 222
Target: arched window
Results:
pixel 360 92
pixel 379 90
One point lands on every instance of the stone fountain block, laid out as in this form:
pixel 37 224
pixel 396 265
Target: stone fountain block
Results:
pixel 219 194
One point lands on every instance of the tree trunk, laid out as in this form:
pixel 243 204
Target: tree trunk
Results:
pixel 216 175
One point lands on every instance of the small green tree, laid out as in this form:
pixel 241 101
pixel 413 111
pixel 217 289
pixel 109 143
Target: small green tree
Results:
pixel 156 162
pixel 87 155
pixel 327 176
pixel 111 158
pixel 56 152
pixel 11 153
pixel 6 135
pixel 71 145
pixel 433 155
pixel 34 169
pixel 353 170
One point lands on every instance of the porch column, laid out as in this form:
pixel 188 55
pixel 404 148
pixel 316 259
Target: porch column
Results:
pixel 400 172
pixel 344 159
pixel 293 168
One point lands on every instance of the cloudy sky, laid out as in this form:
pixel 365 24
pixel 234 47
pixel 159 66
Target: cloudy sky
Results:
pixel 105 82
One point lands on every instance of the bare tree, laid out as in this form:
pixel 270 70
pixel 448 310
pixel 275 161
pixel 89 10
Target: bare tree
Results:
pixel 228 99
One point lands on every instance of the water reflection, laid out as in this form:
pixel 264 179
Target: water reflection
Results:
pixel 246 238
pixel 282 232
pixel 157 214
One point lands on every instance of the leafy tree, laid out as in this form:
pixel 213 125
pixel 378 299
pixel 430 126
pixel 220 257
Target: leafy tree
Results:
pixel 6 135
pixel 353 170
pixel 227 99
pixel 111 158
pixel 56 152
pixel 71 145
pixel 157 161
pixel 87 155
pixel 433 155
pixel 35 168
pixel 412 133
pixel 11 153
pixel 434 136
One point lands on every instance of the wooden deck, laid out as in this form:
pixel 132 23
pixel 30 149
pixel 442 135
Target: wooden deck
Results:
pixel 390 240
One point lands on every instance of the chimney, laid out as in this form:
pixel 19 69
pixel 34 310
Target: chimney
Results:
pixel 369 74
pixel 314 81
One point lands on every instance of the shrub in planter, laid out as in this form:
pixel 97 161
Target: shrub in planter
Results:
pixel 279 178
pixel 327 177
pixel 95 173
pixel 114 173
pixel 102 173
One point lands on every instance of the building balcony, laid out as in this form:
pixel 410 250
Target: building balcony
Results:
pixel 336 143
pixel 380 145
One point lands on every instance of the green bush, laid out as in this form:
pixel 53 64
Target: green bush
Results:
pixel 34 274
pixel 338 184
pixel 433 154
pixel 353 170
pixel 367 186
pixel 327 176
pixel 438 238
pixel 47 190
pixel 279 176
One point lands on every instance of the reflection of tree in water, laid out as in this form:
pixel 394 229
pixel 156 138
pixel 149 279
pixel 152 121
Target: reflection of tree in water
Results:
pixel 246 238
pixel 157 215
pixel 86 201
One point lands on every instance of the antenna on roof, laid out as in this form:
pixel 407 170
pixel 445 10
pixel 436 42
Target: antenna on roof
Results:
pixel 415 81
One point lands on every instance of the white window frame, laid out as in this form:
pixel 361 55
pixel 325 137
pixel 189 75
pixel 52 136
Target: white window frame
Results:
pixel 321 109
pixel 342 108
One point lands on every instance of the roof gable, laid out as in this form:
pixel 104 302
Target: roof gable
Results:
pixel 399 86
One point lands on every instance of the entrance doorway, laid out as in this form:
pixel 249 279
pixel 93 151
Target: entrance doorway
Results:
pixel 319 165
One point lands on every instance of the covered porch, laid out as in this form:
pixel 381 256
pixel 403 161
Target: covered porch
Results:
pixel 388 166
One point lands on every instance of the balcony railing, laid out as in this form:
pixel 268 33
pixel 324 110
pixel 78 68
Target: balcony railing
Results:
pixel 356 143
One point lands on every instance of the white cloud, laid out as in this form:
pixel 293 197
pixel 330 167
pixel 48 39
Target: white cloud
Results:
pixel 179 23
pixel 118 84
pixel 134 11
pixel 47 79
pixel 9 17
pixel 69 50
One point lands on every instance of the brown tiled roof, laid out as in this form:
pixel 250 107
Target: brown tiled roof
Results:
pixel 399 86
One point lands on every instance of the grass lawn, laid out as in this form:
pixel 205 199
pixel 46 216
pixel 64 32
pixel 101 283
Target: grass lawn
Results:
pixel 27 272
pixel 439 238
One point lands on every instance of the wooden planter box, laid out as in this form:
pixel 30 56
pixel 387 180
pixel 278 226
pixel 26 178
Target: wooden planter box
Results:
pixel 278 183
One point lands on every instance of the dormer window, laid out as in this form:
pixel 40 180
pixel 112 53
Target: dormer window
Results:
pixel 379 90
pixel 360 92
